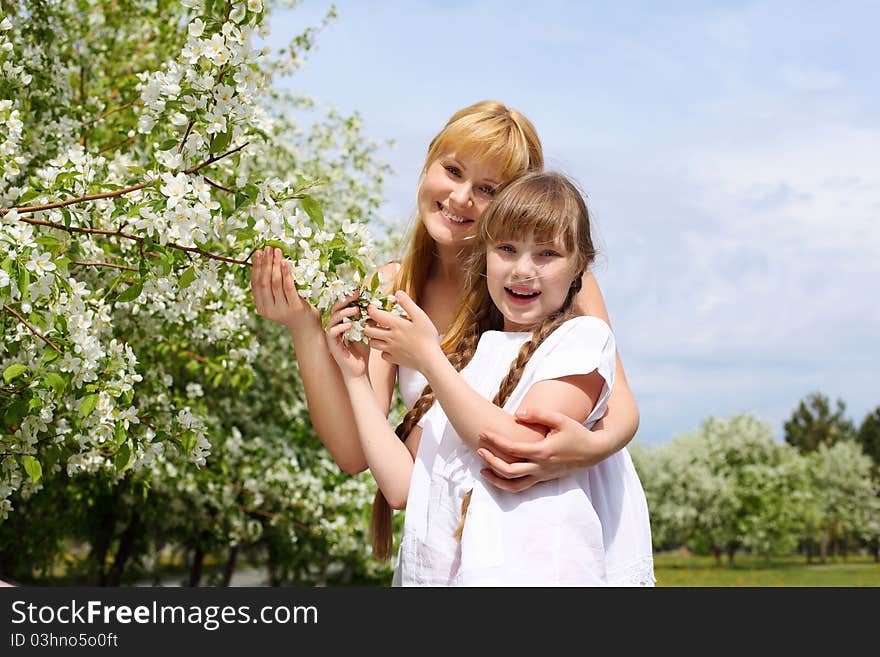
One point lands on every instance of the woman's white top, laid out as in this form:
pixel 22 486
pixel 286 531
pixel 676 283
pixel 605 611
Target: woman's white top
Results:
pixel 411 383
pixel 587 528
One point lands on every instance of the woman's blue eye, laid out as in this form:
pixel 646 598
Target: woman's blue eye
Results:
pixel 487 190
pixel 506 248
pixel 455 171
pixel 550 254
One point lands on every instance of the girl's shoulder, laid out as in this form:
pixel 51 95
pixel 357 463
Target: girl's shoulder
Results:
pixel 578 346
pixel 578 329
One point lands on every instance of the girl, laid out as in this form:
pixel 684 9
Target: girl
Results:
pixel 480 147
pixel 517 340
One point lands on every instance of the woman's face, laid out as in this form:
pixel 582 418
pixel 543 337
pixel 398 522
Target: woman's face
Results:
pixel 454 192
pixel 527 280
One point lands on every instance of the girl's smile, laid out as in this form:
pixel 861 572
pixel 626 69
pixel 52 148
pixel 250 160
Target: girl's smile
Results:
pixel 521 295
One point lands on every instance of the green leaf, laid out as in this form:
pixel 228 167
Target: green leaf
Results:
pixel 251 191
pixel 123 456
pixel 186 278
pixel 49 356
pixel 61 266
pixel 24 283
pixel 133 291
pixel 120 434
pixel 29 195
pixel 15 413
pixel 49 241
pixel 220 141
pixel 374 282
pixel 313 209
pixel 55 381
pixel 13 371
pixel 87 405
pixel 33 468
pixel 167 145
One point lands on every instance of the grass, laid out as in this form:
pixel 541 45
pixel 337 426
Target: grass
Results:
pixel 674 569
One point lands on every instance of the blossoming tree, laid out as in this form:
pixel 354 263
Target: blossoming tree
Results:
pixel 144 155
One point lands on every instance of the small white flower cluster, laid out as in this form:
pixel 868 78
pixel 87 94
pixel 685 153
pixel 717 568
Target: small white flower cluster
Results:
pixel 369 298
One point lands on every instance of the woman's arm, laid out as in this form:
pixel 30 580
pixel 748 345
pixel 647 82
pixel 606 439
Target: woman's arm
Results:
pixel 620 423
pixel 276 298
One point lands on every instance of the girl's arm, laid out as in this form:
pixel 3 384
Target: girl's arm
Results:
pixel 390 461
pixel 276 298
pixel 415 344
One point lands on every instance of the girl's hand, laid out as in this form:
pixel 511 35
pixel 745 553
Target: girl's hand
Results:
pixel 275 295
pixel 516 466
pixel 351 357
pixel 409 342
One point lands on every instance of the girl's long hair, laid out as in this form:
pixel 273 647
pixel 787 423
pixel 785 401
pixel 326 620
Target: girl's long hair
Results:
pixel 487 130
pixel 545 207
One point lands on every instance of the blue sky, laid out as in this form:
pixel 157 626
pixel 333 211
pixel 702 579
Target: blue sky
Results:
pixel 730 153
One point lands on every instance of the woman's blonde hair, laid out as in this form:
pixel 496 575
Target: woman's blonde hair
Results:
pixel 545 207
pixel 487 130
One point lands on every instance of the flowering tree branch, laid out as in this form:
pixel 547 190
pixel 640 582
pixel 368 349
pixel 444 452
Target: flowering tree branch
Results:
pixel 114 193
pixel 32 328
pixel 103 264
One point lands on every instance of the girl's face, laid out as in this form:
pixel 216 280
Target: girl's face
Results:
pixel 528 281
pixel 454 192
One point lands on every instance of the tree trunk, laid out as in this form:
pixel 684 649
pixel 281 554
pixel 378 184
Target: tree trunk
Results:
pixel 731 550
pixel 101 546
pixel 195 571
pixel 123 553
pixel 158 546
pixel 823 547
pixel 717 552
pixel 230 566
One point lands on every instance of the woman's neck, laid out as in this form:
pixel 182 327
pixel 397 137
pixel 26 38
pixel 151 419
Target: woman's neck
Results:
pixel 447 266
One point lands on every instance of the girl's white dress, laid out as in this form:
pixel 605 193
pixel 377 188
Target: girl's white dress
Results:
pixel 589 528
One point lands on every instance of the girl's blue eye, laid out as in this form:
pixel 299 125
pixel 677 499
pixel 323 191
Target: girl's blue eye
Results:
pixel 506 248
pixel 487 190
pixel 550 254
pixel 455 171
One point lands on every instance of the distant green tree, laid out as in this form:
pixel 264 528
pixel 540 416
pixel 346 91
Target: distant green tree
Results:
pixel 869 436
pixel 814 423
pixel 847 497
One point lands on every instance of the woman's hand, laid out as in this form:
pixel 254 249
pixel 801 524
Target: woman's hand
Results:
pixel 516 466
pixel 275 295
pixel 408 342
pixel 351 357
